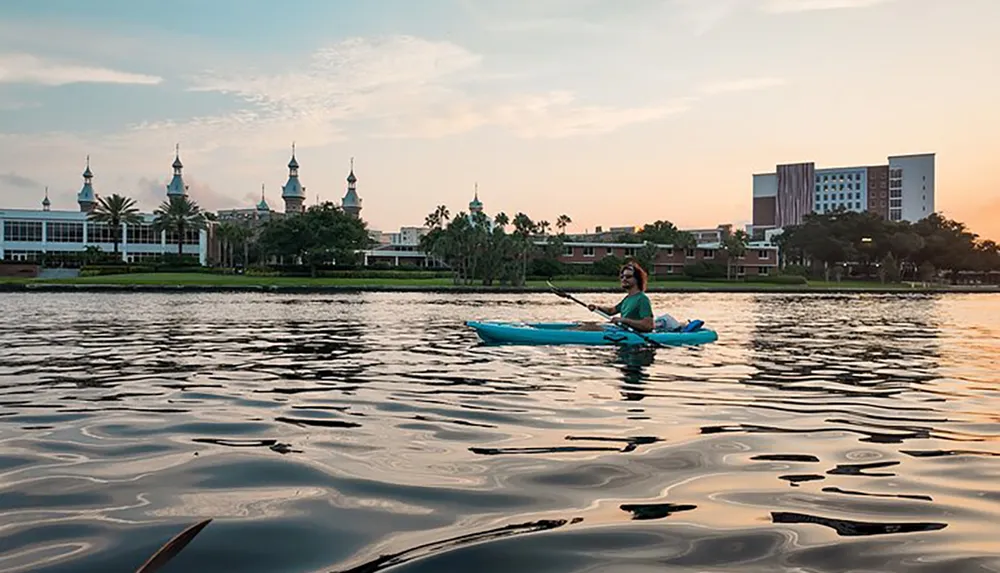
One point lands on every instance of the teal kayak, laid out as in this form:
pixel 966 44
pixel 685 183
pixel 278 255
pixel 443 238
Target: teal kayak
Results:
pixel 544 333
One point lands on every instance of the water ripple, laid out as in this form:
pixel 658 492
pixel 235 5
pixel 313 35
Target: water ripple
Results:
pixel 367 432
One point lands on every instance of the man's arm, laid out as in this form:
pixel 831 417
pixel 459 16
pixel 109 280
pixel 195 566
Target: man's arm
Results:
pixel 642 325
pixel 608 310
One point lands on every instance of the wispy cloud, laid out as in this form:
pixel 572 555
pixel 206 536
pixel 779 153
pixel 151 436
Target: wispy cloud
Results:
pixel 19 181
pixel 412 87
pixel 787 6
pixel 29 69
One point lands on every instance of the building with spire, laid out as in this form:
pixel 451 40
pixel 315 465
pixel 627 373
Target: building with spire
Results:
pixel 351 203
pixel 87 198
pixel 60 236
pixel 293 192
pixel 176 187
pixel 476 206
pixel 262 206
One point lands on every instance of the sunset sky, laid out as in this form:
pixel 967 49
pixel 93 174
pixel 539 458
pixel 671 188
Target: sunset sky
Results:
pixel 615 112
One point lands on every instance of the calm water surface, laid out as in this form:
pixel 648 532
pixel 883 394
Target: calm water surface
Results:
pixel 373 432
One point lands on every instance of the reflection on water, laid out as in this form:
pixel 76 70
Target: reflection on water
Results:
pixel 366 432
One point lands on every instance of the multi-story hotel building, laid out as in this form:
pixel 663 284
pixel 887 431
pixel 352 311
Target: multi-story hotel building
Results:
pixel 900 190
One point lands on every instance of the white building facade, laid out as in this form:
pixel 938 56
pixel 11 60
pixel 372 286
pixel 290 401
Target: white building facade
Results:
pixel 26 235
pixel 30 235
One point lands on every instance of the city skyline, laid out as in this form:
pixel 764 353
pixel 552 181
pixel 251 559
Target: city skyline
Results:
pixel 613 115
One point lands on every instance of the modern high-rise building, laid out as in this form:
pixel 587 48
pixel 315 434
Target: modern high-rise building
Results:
pixel 900 190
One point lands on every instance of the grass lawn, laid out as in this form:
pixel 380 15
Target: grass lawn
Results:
pixel 207 279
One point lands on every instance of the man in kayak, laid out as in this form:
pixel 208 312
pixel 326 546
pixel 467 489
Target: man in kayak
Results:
pixel 635 310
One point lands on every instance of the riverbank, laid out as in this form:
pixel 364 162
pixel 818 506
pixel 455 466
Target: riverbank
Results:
pixel 205 282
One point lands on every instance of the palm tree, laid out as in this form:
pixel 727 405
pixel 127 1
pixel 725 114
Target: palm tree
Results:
pixel 178 214
pixel 115 211
pixel 562 222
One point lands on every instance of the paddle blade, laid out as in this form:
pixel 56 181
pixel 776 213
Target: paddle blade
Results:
pixel 172 548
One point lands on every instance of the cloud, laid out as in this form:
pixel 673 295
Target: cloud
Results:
pixel 787 6
pixel 150 193
pixel 29 69
pixel 15 180
pixel 742 85
pixel 409 87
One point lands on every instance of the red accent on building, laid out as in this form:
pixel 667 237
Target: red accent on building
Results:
pixel 878 190
pixel 756 261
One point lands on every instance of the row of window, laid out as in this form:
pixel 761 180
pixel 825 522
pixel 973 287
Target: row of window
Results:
pixel 834 187
pixel 831 207
pixel 839 177
pixel 34 256
pixel 67 232
pixel 834 197
pixel 740 270
pixel 630 252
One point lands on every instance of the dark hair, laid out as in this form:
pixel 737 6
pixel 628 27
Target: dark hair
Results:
pixel 637 272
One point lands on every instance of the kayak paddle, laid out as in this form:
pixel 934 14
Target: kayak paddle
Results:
pixel 172 548
pixel 564 294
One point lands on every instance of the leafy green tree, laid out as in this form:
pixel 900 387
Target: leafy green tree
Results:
pixel 322 234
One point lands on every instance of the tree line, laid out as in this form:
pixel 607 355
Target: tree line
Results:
pixel 505 250
pixel 865 244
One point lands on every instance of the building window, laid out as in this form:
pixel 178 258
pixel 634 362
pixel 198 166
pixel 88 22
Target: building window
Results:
pixel 21 255
pixel 191 237
pixel 630 252
pixel 670 269
pixel 763 254
pixel 689 253
pixel 22 231
pixel 708 253
pixel 60 232
pixel 145 235
pixel 100 233
pixel 568 251
pixel 762 271
pixel 609 251
pixel 588 251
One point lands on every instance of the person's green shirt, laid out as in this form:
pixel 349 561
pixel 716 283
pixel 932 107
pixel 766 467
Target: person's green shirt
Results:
pixel 635 306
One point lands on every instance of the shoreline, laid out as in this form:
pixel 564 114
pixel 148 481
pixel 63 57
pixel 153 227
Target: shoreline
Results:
pixel 479 289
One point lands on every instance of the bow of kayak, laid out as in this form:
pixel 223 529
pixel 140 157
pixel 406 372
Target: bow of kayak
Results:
pixel 545 333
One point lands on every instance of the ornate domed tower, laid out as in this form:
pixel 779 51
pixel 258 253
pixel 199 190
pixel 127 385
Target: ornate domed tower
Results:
pixel 352 203
pixel 87 198
pixel 476 206
pixel 176 187
pixel 293 192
